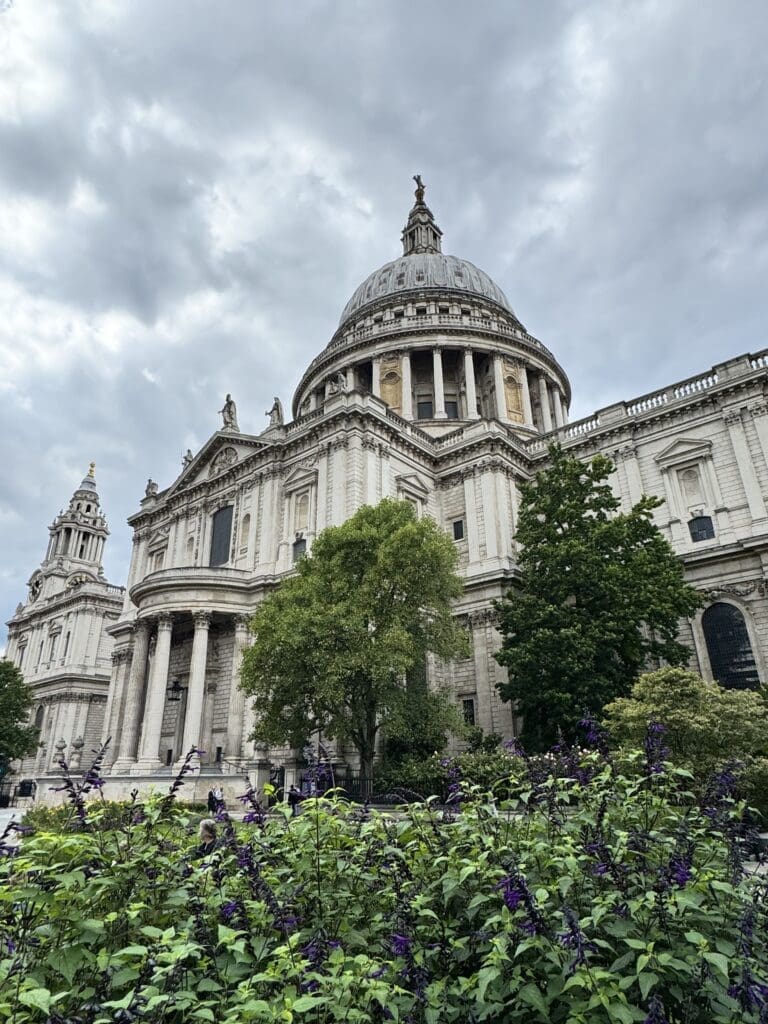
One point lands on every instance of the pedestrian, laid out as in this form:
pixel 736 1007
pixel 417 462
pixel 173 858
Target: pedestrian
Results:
pixel 218 798
pixel 211 802
pixel 208 839
pixel 294 799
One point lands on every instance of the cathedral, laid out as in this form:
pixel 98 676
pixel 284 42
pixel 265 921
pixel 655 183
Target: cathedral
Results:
pixel 432 391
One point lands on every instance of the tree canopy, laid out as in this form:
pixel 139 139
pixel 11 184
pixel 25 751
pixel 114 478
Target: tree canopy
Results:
pixel 599 598
pixel 17 737
pixel 335 643
pixel 706 724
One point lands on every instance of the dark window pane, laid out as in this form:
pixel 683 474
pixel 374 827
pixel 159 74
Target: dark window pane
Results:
pixel 299 548
pixel 452 410
pixel 221 536
pixel 468 710
pixel 701 528
pixel 424 410
pixel 458 529
pixel 729 649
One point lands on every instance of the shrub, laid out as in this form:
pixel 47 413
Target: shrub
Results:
pixel 593 893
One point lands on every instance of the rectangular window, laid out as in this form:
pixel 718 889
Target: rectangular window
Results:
pixel 468 710
pixel 219 754
pixel 458 529
pixel 299 548
pixel 169 757
pixel 424 409
pixel 221 536
pixel 451 409
pixel 701 528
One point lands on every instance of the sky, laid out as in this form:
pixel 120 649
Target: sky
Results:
pixel 190 192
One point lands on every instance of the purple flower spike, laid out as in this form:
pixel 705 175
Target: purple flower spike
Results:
pixel 401 945
pixel 656 1014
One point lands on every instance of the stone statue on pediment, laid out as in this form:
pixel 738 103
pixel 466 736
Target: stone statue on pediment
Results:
pixel 229 414
pixel 187 458
pixel 151 489
pixel 275 413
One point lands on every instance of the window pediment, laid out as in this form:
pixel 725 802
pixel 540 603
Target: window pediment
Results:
pixel 159 539
pixel 682 451
pixel 299 478
pixel 412 486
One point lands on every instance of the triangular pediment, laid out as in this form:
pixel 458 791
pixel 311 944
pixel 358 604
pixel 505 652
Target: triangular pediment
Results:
pixel 217 456
pixel 684 449
pixel 300 476
pixel 410 483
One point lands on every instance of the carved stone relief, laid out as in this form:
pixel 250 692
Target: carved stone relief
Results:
pixel 392 383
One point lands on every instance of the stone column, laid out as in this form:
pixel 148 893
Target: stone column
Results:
pixel 564 409
pixel 745 465
pixel 438 385
pixel 196 692
pixel 407 391
pixel 350 378
pixel 527 407
pixel 469 383
pixel 133 698
pixel 498 387
pixel 236 713
pixel 559 422
pixel 149 746
pixel 118 682
pixel 546 416
pixel 376 377
pixel 312 400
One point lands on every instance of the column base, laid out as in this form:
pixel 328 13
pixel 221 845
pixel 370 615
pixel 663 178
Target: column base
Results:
pixel 123 766
pixel 146 766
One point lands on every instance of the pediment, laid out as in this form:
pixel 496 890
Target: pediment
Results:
pixel 410 483
pixel 304 475
pixel 216 457
pixel 159 538
pixel 684 450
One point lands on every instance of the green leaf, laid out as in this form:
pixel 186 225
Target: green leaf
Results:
pixel 40 998
pixel 531 995
pixel 646 981
pixel 719 962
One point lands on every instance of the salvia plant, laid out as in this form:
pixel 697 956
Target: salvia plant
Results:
pixel 591 891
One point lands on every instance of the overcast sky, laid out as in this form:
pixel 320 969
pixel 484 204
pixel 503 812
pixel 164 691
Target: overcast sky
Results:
pixel 190 192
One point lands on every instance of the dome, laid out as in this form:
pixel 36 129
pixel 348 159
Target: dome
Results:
pixel 422 271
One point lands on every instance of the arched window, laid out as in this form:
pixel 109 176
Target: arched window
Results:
pixel 245 529
pixel 299 548
pixel 221 535
pixel 302 511
pixel 728 646
pixel 39 716
pixel 190 549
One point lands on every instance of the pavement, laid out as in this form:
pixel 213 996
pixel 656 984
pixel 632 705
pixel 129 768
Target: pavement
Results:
pixel 8 814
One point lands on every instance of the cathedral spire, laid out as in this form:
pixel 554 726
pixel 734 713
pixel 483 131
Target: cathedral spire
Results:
pixel 421 234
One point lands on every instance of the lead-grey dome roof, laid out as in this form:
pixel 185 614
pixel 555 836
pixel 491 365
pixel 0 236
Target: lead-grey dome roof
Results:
pixel 422 271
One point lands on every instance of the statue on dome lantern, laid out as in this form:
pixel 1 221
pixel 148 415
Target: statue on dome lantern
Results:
pixel 419 188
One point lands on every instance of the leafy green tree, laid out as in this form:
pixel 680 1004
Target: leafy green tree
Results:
pixel 334 644
pixel 17 737
pixel 599 597
pixel 706 724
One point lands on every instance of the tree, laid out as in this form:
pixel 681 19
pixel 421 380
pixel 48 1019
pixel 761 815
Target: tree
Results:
pixel 17 738
pixel 706 724
pixel 336 642
pixel 599 597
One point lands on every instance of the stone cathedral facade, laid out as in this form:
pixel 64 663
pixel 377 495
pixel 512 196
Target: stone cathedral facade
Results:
pixel 432 391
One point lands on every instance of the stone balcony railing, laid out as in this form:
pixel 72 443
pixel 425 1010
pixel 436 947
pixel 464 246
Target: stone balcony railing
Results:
pixel 186 586
pixel 650 404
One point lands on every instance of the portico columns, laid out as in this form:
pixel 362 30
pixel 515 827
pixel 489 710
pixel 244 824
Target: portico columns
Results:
pixel 527 407
pixel 405 372
pixel 236 695
pixel 439 387
pixel 558 408
pixel 498 386
pixel 149 747
pixel 546 415
pixel 469 383
pixel 376 377
pixel 133 695
pixel 196 692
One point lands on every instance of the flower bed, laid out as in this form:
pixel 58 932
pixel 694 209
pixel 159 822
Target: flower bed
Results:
pixel 593 893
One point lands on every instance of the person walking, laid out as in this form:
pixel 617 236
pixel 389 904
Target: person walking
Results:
pixel 294 799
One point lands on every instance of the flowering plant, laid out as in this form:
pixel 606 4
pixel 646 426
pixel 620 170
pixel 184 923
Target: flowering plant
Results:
pixel 596 891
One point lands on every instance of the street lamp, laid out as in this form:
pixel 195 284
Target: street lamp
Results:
pixel 175 691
